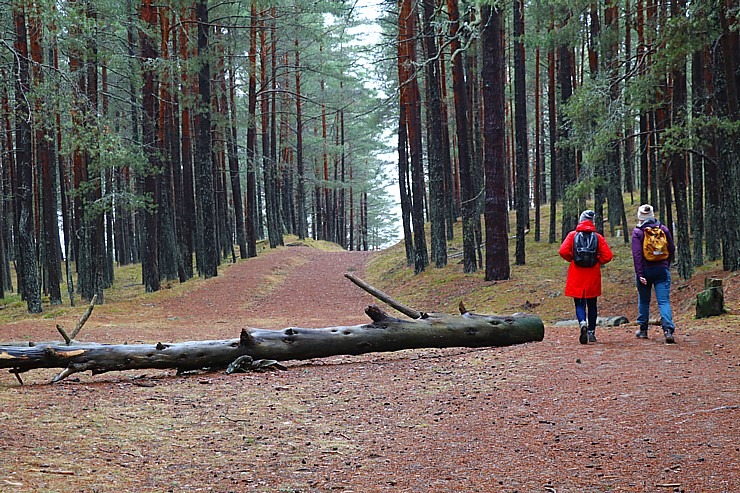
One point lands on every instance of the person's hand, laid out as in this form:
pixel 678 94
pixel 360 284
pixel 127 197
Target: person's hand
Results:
pixel 643 280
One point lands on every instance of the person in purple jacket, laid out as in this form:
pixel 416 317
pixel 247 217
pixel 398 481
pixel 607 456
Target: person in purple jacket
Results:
pixel 652 274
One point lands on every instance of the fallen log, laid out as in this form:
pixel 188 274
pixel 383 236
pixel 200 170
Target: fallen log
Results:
pixel 385 333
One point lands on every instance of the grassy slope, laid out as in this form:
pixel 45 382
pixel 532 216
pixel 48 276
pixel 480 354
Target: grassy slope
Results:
pixel 536 287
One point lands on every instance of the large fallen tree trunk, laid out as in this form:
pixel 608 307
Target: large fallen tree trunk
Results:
pixel 385 333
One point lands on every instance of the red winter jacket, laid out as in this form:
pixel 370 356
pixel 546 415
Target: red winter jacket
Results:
pixel 584 282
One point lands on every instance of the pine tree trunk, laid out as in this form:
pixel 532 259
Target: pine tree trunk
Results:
pixel 186 206
pixel 234 165
pixel 567 158
pixel 555 182
pixel 497 250
pixel 616 212
pixel 301 216
pixel 168 254
pixel 274 221
pixel 678 161
pixel 251 227
pixel 460 93
pixel 437 211
pixel 452 192
pixel 727 75
pixel 27 267
pixel 539 182
pixel 51 261
pixel 407 21
pixel 268 166
pixel 698 100
pixel 150 255
pixel 521 145
pixel 204 186
pixel 403 161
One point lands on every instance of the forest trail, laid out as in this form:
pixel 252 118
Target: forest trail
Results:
pixel 624 414
pixel 291 286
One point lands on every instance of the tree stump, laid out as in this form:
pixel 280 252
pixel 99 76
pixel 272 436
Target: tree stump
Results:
pixel 711 301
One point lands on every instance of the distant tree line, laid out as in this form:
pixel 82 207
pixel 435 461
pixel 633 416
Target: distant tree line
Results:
pixel 178 134
pixel 525 104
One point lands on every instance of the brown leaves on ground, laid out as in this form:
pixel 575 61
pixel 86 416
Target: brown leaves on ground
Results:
pixel 622 415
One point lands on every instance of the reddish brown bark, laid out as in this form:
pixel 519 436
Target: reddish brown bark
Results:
pixel 45 159
pixel 459 88
pixel 28 284
pixel 186 204
pixel 408 30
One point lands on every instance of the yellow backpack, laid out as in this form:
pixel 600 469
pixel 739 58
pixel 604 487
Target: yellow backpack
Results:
pixel 655 244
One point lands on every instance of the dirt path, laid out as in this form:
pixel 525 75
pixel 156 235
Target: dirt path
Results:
pixel 295 286
pixel 623 415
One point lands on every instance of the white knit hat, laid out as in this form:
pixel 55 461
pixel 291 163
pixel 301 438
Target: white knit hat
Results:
pixel 587 215
pixel 645 212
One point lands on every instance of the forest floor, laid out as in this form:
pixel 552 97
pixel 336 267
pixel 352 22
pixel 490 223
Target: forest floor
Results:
pixel 621 415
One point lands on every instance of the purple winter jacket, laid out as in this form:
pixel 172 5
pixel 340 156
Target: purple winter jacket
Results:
pixel 638 234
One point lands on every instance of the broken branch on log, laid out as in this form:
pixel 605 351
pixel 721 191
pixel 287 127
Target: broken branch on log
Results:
pixel 68 338
pixel 409 312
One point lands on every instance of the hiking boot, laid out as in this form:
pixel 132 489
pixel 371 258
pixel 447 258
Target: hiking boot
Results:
pixel 583 338
pixel 591 335
pixel 668 333
pixel 642 333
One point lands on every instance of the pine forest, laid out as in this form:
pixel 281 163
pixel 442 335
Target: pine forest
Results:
pixel 180 135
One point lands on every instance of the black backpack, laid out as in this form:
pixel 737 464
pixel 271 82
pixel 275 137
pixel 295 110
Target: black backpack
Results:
pixel 585 245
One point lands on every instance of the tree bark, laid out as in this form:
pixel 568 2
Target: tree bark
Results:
pixel 234 173
pixel 384 334
pixel 251 228
pixel 497 250
pixel 50 257
pixel 204 187
pixel 435 138
pixel 407 28
pixel 520 116
pixel 27 266
pixel 555 179
pixel 150 257
pixel 467 193
pixel 403 161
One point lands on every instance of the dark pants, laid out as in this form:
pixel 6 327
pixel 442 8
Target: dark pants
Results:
pixel 581 305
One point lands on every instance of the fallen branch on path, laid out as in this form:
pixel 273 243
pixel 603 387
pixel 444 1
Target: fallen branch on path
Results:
pixel 385 333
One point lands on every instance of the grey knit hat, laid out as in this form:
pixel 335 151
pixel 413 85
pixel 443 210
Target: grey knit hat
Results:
pixel 645 212
pixel 587 215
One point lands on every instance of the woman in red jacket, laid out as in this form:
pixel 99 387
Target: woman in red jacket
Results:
pixel 587 251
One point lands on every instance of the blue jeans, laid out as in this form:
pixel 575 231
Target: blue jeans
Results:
pixel 581 305
pixel 660 278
